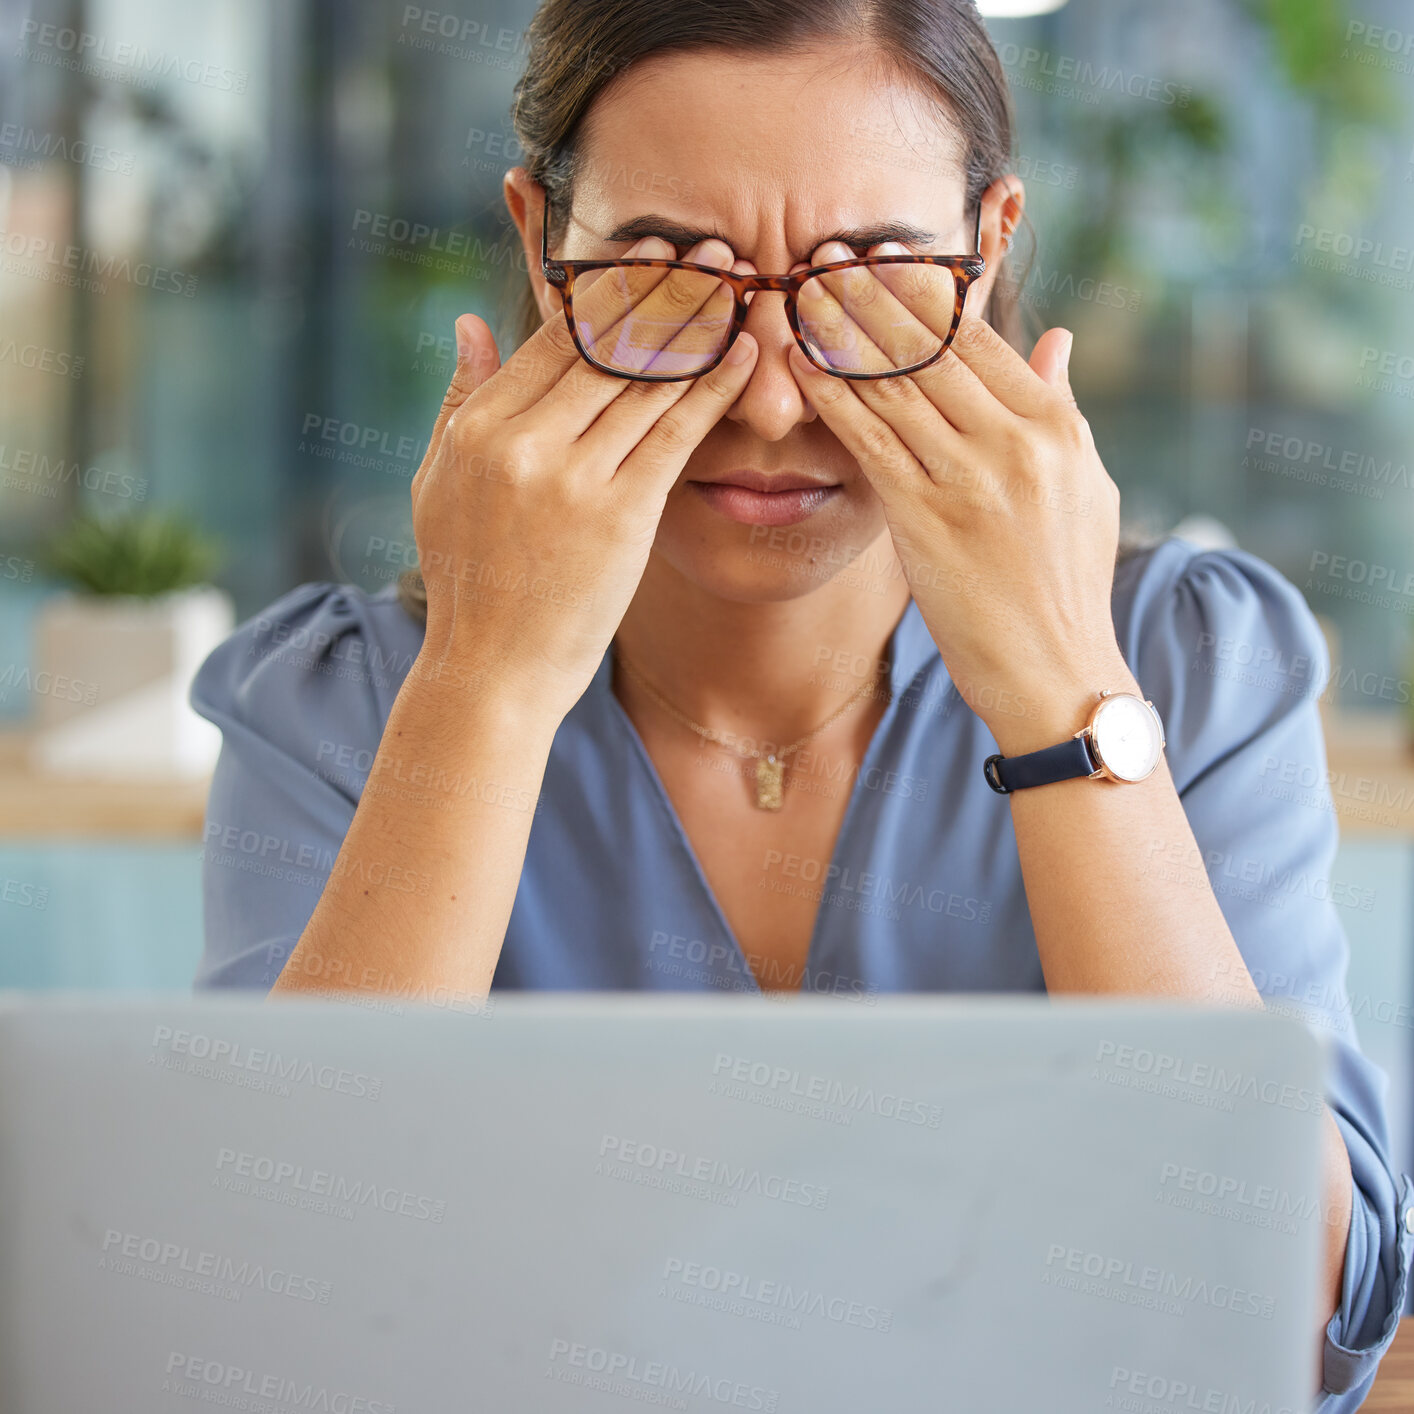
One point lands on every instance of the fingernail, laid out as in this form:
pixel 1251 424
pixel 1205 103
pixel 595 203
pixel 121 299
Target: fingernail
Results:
pixel 739 351
pixel 464 344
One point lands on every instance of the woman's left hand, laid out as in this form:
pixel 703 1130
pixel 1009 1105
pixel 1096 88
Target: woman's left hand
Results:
pixel 1003 516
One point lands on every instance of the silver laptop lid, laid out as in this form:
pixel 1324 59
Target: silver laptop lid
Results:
pixel 571 1202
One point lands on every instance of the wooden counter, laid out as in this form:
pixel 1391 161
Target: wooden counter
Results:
pixel 1371 774
pixel 1372 784
pixel 41 807
pixel 1394 1385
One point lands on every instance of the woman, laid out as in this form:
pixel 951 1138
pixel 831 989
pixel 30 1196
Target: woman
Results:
pixel 702 674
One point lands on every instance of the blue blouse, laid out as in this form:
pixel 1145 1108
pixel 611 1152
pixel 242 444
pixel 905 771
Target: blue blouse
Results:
pixel 924 892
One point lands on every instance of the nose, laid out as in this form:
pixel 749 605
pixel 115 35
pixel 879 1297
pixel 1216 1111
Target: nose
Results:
pixel 771 403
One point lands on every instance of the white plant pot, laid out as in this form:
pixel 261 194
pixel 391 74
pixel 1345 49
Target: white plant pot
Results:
pixel 111 680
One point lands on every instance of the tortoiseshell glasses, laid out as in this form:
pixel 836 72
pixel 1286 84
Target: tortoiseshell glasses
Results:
pixel 660 321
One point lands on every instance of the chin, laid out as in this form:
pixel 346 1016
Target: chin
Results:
pixel 770 563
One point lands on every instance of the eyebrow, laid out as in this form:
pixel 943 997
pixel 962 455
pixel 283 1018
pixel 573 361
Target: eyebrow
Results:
pixel 679 234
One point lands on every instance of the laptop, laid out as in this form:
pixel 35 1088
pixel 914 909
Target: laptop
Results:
pixel 570 1201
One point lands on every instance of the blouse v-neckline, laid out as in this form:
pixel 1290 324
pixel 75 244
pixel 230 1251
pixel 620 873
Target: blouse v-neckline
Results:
pixel 908 649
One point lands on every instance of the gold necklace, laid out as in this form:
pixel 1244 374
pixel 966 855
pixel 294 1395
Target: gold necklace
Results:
pixel 770 765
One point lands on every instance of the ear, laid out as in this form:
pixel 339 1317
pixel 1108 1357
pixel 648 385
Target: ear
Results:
pixel 1003 204
pixel 525 200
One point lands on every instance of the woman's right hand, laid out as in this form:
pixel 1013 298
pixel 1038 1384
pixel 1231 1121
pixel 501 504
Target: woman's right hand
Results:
pixel 539 497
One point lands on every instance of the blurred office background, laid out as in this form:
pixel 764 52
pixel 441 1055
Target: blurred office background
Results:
pixel 234 237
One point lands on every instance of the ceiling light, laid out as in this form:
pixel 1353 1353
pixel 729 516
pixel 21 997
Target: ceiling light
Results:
pixel 1017 9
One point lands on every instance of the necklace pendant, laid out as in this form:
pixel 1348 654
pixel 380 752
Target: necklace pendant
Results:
pixel 768 783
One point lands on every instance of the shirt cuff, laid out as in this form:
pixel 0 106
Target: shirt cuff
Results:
pixel 1347 1366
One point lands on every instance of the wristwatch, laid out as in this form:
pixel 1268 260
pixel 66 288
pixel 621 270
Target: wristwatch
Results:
pixel 1122 741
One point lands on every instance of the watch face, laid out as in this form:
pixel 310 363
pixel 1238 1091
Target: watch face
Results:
pixel 1126 737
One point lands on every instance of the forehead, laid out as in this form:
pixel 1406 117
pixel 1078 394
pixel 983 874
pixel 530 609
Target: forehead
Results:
pixel 770 147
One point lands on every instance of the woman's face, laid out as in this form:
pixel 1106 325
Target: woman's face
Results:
pixel 774 153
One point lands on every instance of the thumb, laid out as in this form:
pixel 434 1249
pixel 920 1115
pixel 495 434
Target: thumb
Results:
pixel 1051 360
pixel 477 360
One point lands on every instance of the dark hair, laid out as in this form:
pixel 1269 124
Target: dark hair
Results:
pixel 575 49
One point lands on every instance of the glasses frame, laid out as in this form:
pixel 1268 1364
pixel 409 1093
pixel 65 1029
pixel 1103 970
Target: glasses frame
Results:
pixel 561 274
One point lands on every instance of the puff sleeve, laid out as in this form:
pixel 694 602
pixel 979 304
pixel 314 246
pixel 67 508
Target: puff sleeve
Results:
pixel 1232 656
pixel 301 693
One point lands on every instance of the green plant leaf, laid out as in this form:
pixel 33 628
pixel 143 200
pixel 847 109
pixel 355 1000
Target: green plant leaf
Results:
pixel 144 553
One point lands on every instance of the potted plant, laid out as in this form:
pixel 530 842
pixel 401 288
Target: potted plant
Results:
pixel 115 653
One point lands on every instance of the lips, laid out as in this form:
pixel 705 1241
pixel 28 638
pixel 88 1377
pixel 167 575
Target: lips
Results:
pixel 772 482
pixel 753 498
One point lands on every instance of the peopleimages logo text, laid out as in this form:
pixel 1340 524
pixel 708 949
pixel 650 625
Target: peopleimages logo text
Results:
pixel 88 50
pixel 851 1095
pixel 236 1387
pixel 1204 1076
pixel 44 253
pixel 735 1177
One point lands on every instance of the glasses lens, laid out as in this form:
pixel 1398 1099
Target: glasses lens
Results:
pixel 644 319
pixel 878 318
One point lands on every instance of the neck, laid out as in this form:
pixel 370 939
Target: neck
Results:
pixel 761 670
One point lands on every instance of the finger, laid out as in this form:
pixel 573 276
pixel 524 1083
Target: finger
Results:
pixel 477 360
pixel 622 425
pixel 1050 360
pixel 882 454
pixel 922 425
pixel 960 396
pixel 664 321
pixel 550 353
pixel 887 335
pixel 953 390
pixel 657 458
pixel 936 444
pixel 871 319
pixel 668 336
pixel 1000 369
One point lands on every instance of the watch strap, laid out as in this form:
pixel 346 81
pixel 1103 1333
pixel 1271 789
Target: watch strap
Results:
pixel 1040 768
